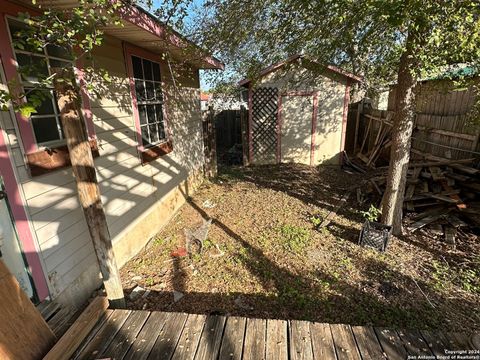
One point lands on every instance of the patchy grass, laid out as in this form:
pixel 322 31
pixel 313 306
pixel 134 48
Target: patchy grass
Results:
pixel 266 257
pixel 294 238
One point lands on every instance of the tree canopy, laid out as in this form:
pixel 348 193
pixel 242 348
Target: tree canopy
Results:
pixel 365 36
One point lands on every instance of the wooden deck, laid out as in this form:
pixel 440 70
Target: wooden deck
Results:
pixel 58 317
pixel 127 334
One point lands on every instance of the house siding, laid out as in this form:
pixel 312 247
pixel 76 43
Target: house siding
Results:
pixel 130 191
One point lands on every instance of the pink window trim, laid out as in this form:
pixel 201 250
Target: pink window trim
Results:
pixel 16 203
pixel 279 129
pixel 250 123
pixel 10 67
pixel 130 50
pixel 314 128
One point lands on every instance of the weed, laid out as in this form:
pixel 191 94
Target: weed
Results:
pixel 294 238
pixel 149 281
pixel 207 244
pixel 470 280
pixel 292 296
pixel 440 275
pixel 371 214
pixel 316 220
pixel 196 257
pixel 158 242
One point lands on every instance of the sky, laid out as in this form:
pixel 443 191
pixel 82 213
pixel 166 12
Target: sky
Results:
pixel 190 20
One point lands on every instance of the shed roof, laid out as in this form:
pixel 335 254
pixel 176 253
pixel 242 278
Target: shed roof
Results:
pixel 295 57
pixel 145 30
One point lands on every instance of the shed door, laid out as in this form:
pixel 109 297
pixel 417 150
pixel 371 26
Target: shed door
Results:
pixel 296 129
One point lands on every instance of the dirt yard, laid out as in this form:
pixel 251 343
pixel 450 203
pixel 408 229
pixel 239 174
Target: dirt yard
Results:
pixel 264 257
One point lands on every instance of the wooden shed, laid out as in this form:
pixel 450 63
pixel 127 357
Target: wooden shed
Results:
pixel 298 112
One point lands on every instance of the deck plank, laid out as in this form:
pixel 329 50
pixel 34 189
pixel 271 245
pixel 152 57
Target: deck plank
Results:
pixel 322 341
pixel 391 344
pixel 300 340
pixel 254 347
pixel 475 340
pixel 124 338
pixel 461 339
pixel 232 342
pixel 367 343
pixel 211 338
pixel 435 341
pixel 145 340
pixel 277 343
pixel 344 341
pixel 188 342
pixel 168 338
pixel 103 319
pixel 97 344
pixel 414 343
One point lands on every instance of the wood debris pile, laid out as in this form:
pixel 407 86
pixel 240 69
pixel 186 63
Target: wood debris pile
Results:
pixel 442 198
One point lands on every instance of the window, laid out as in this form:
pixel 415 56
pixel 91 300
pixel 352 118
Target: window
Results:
pixel 33 64
pixel 148 93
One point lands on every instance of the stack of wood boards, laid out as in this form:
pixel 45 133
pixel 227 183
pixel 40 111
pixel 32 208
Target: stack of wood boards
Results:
pixel 441 197
pixel 382 141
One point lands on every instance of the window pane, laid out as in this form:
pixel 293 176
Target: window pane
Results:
pixel 158 110
pixel 156 72
pixel 18 36
pixel 153 133
pixel 142 112
pixel 137 67
pixel 150 91
pixel 59 64
pixel 45 129
pixel 158 91
pixel 161 131
pixel 151 114
pixel 31 67
pixel 145 138
pixel 45 97
pixel 58 51
pixel 147 70
pixel 140 90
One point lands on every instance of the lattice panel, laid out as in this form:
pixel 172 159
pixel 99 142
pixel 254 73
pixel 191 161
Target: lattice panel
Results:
pixel 264 118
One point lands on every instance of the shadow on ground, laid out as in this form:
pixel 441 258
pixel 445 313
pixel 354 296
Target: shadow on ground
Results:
pixel 362 287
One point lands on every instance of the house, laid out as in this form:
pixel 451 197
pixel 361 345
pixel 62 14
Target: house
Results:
pixel 148 153
pixel 205 99
pixel 221 102
pixel 298 112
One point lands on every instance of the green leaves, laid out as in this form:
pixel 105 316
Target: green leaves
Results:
pixel 78 30
pixel 26 110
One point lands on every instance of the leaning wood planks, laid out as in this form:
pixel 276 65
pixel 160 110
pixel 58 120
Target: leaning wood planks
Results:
pixel 74 336
pixel 24 334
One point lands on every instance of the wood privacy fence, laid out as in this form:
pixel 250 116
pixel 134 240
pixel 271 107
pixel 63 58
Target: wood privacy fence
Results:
pixel 209 143
pixel 231 129
pixel 228 128
pixel 434 136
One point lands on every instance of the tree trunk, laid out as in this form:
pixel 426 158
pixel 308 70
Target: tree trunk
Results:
pixel 392 203
pixel 87 185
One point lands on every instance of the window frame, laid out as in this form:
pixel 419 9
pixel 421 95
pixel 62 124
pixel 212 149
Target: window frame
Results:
pixel 165 146
pixel 26 84
pixel 25 124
